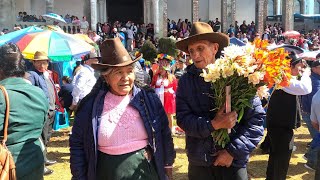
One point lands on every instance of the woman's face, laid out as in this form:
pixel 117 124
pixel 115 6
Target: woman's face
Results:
pixel 121 80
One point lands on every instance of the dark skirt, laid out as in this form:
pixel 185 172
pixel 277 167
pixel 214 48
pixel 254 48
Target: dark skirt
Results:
pixel 130 166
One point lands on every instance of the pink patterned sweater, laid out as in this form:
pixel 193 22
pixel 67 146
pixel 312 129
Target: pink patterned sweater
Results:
pixel 121 128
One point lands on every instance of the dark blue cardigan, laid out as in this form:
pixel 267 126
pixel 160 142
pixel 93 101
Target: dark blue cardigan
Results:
pixel 83 141
pixel 194 115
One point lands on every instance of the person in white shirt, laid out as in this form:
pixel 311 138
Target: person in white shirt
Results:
pixel 84 25
pixel 84 80
pixel 284 115
pixel 130 35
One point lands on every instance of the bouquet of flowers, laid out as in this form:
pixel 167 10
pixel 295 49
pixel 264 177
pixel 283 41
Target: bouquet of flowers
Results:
pixel 250 70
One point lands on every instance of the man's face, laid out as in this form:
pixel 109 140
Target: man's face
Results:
pixel 41 65
pixel 298 69
pixel 203 53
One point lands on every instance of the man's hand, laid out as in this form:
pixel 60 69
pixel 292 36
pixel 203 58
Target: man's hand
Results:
pixel 168 172
pixel 223 158
pixel 73 107
pixel 224 120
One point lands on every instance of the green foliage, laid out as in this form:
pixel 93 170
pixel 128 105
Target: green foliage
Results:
pixel 168 46
pixel 149 51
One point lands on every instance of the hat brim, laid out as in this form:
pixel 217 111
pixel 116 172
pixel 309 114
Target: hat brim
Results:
pixel 39 59
pixel 222 39
pixel 100 66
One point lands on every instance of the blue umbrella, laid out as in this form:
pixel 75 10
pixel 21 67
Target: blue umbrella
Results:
pixel 15 36
pixel 54 17
pixel 237 41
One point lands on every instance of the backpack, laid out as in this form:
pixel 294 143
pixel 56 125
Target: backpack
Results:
pixel 7 165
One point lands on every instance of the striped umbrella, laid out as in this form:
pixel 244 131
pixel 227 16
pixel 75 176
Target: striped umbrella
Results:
pixel 15 36
pixel 58 46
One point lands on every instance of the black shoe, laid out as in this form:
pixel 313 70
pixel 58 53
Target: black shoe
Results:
pixel 49 162
pixel 47 171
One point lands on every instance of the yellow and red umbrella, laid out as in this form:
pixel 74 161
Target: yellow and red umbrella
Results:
pixel 58 46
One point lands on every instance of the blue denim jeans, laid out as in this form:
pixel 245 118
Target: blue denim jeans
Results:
pixel 307 120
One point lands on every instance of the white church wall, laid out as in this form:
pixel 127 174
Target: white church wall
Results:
pixel 179 9
pixel 71 7
pixel 204 10
pixel 245 10
pixel 214 9
pixel 61 7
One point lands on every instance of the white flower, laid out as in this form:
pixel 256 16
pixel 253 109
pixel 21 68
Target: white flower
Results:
pixel 249 48
pixel 233 51
pixel 263 92
pixel 211 73
pixel 226 71
pixel 254 78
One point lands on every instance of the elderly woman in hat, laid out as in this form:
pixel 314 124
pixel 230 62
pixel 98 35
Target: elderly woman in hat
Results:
pixel 120 130
pixel 165 84
pixel 198 117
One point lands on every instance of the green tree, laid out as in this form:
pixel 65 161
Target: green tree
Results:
pixel 149 51
pixel 168 46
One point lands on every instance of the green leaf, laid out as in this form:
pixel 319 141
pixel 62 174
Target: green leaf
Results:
pixel 240 114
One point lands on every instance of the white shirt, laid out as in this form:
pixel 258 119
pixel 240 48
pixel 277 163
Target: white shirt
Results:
pixel 84 25
pixel 129 33
pixel 83 83
pixel 302 87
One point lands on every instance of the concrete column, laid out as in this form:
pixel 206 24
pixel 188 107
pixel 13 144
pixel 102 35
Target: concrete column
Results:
pixel 276 7
pixel 165 17
pixel 146 11
pixel 261 14
pixel 93 7
pixel 287 14
pixel 105 11
pixel 49 6
pixel 156 18
pixel 279 7
pixel 302 7
pixel 101 7
pixel 195 10
pixel 7 14
pixel 228 14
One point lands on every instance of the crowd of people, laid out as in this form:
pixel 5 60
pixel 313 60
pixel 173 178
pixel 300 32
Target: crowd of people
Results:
pixel 124 108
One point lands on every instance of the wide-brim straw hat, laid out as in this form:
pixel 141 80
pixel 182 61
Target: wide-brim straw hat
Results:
pixel 203 31
pixel 114 54
pixel 40 56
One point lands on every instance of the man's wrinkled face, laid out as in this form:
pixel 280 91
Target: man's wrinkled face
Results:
pixel 203 53
pixel 41 65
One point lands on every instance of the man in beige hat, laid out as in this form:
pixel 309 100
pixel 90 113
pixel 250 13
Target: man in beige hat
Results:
pixel 84 80
pixel 39 76
pixel 196 115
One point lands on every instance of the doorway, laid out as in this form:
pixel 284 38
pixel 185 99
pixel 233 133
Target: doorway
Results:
pixel 125 10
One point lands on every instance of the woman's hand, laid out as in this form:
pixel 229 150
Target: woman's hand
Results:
pixel 168 171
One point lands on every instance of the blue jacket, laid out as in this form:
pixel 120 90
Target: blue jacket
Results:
pixel 37 79
pixel 83 141
pixel 194 115
pixel 307 99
